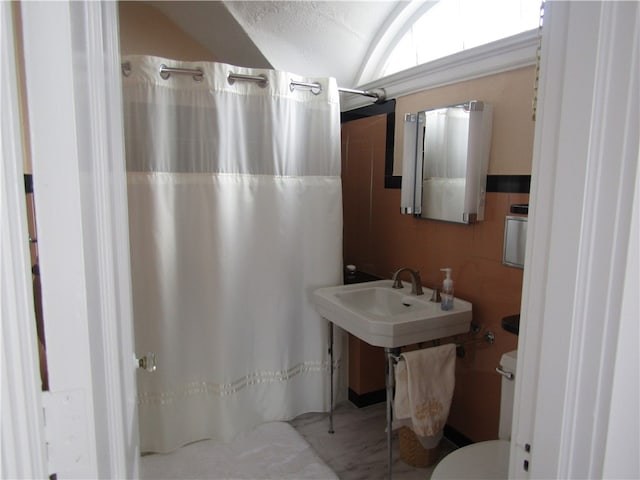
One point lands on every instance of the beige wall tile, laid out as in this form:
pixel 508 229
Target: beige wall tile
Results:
pixel 378 239
pixel 510 93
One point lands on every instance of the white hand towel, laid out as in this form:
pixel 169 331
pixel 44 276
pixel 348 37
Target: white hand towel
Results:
pixel 425 380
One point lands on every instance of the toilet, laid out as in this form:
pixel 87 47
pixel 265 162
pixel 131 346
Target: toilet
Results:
pixel 486 460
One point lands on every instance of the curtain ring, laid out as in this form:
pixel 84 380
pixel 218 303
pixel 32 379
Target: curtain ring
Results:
pixel 315 88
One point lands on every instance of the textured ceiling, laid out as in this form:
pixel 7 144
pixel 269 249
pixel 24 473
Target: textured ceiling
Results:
pixel 310 38
pixel 329 38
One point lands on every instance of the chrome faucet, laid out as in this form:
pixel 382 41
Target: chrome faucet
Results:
pixel 416 282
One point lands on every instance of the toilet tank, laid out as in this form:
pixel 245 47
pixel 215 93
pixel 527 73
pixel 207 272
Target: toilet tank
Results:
pixel 507 366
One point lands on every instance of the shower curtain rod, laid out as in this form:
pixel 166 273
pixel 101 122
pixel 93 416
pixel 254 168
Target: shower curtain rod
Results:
pixel 197 74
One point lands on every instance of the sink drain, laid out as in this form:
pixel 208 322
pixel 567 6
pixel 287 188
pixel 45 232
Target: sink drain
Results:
pixel 407 301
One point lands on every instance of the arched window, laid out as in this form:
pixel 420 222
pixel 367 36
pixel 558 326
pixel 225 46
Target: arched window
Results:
pixel 448 27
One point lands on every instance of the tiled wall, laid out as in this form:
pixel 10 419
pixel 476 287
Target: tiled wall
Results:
pixel 378 240
pixel 510 93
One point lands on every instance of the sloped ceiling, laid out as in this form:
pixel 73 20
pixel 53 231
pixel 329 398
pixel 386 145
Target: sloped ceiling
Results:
pixel 310 38
pixel 213 26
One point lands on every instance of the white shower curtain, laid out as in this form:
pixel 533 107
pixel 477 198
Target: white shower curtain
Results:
pixel 235 217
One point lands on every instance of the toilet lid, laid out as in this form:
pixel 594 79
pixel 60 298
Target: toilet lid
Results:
pixel 487 460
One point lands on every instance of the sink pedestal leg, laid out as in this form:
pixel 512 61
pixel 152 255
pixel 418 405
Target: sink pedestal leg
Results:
pixel 331 430
pixel 392 354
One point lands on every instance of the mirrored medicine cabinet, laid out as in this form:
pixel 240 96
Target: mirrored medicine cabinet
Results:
pixel 445 162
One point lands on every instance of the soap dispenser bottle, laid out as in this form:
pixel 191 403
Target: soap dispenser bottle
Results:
pixel 447 290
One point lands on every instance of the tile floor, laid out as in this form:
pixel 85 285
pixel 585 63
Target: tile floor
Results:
pixel 358 448
pixel 356 451
pixel 271 451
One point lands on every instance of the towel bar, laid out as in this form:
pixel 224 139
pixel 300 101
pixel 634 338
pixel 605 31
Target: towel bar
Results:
pixel 393 356
pixel 488 337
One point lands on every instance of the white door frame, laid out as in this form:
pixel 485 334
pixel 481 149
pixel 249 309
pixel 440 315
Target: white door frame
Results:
pixel 72 66
pixel 23 453
pixel 580 246
pixel 571 349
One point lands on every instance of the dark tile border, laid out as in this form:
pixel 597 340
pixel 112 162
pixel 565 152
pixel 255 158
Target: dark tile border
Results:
pixel 511 324
pixel 509 183
pixel 391 180
pixel 495 183
pixel 379 396
pixel 388 108
pixel 359 277
pixel 455 437
pixel 367 399
pixel 368 111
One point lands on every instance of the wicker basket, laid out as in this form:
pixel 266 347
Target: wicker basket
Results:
pixel 413 453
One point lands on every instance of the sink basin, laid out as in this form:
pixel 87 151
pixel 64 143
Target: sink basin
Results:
pixel 381 301
pixel 388 317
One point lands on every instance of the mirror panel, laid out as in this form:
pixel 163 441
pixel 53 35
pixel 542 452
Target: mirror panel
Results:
pixel 446 157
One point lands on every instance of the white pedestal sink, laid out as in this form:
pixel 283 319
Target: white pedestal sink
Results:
pixel 388 317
